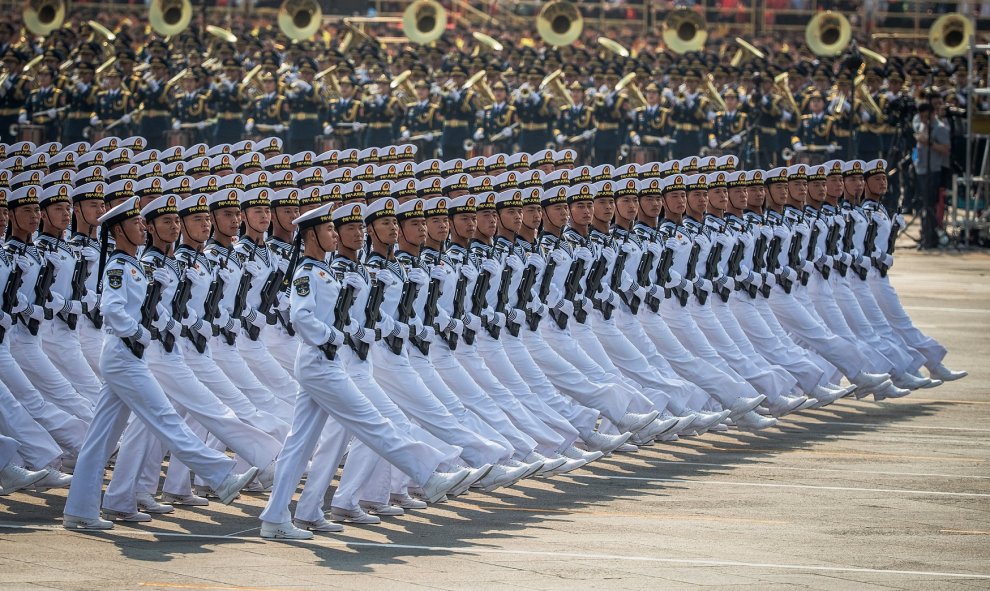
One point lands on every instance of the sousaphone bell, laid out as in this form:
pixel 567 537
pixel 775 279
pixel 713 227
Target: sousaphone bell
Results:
pixel 424 21
pixel 41 17
pixel 828 34
pixel 559 23
pixel 684 30
pixel 300 19
pixel 169 17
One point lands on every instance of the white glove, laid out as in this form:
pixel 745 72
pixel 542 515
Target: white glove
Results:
pixel 864 116
pixel 675 280
pixel 786 115
pixel 807 266
pixel 798 147
pixel 90 254
pixel 22 119
pixel 471 322
pixel 51 113
pixel 356 331
pixel 737 139
pixel 249 126
pixel 283 265
pixel 664 140
pixel 176 125
pixel 428 136
pixel 726 281
pixel 56 261
pixel 23 262
pixel 6 321
pixel 492 266
pixel 306 86
pixel 712 143
pixel 479 135
pixel 224 275
pixel 353 280
pixel 704 284
pixel 418 276
pixel 94 121
pixel 654 248
pixel 327 129
pixel 255 319
pixel 90 300
pixel 668 94
pixel 492 317
pixel 56 302
pixel 899 220
pixel 515 263
pixel 438 272
pixel 565 306
pixel 537 262
pixel 609 255
pixel 886 260
pixel 405 134
pixel 636 140
pixel 21 305
pixel 358 126
pixel 831 148
pixel 505 132
pixel 201 125
pixel 161 320
pixel 228 85
pixel 588 134
pixel 162 276
pixel 786 273
pixel 845 258
pixel 126 118
pixel 560 257
pixel 469 271
pixel 198 326
pixel 537 307
pixel 36 313
pixel 780 232
pixel 583 253
pixel 142 337
pixel 254 268
pixel 279 128
pixel 561 138
pixel 153 85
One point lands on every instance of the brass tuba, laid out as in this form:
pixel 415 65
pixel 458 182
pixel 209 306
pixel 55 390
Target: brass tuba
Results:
pixel 300 19
pixel 559 23
pixel 169 17
pixel 950 34
pixel 684 30
pixel 828 34
pixel 424 21
pixel 41 17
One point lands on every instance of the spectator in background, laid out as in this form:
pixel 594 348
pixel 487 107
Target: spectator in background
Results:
pixel 932 135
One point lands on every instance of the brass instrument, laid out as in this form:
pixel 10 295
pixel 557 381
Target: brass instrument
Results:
pixel 745 49
pixel 713 93
pixel 613 46
pixel 108 36
pixel 555 79
pixel 247 84
pixel 684 30
pixel 169 17
pixel 300 19
pixel 828 34
pixel 559 23
pixel 424 21
pixel 781 83
pixel 627 81
pixel 950 34
pixel 873 56
pixel 487 41
pixel 864 97
pixel 221 34
pixel 41 17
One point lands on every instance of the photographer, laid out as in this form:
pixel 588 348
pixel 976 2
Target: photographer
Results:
pixel 932 135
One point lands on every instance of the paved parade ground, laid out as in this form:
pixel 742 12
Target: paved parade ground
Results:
pixel 859 495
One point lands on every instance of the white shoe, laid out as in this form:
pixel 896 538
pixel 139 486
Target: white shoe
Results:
pixel 440 482
pixel 604 443
pixel 323 526
pixel 890 391
pixel 933 382
pixel 743 405
pixel 284 531
pixel 357 516
pixel 826 396
pixel 634 421
pixel 233 483
pixel 53 479
pixel 577 454
pixel 186 500
pixel 658 427
pixel 568 465
pixel 406 502
pixel 683 423
pixel 870 381
pixel 14 478
pixel 907 381
pixel 788 404
pixel 754 422
pixel 381 509
pixel 627 448
pixel 136 517
pixel 720 427
pixel 74 522
pixel 941 372
pixel 707 420
pixel 501 475
pixel 548 463
pixel 148 504
pixel 475 475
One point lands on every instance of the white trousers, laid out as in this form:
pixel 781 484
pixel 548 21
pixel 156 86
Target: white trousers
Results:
pixel 878 320
pixel 66 429
pixel 476 400
pixel 795 318
pixel 268 371
pixel 281 346
pixel 63 348
pixel 852 314
pixel 893 310
pixel 36 446
pixel 326 389
pixel 129 388
pixel 91 343
pixel 241 375
pixel 48 380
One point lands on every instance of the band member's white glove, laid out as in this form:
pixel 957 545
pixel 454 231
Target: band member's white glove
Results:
pixel 279 128
pixel 737 139
pixel 798 147
pixel 327 129
pixel 201 125
pixel 712 143
pixel 831 148
pixel 22 119
pixel 249 126
pixel 94 121
pixel 428 136
pixel 479 135
pixel 405 134
pixel 786 116
pixel 176 125
pixel 505 132
pixel 125 119
pixel 636 140
pixel 51 113
pixel 588 134
pixel 358 126
pixel 561 138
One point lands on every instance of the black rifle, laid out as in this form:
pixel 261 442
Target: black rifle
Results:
pixel 794 260
pixel 404 312
pixel 733 266
pixel 42 290
pixel 10 293
pixel 372 313
pixel 148 313
pixel 240 301
pixel 615 281
pixel 572 287
pixel 847 241
pixel 831 249
pixel 523 296
pixel 891 240
pixel 179 301
pixel 690 273
pixel 592 285
pixel 211 304
pixel 478 300
pixel 341 312
pixel 78 286
pixel 711 271
pixel 533 320
pixel 663 276
pixel 269 293
pixel 429 315
pixel 642 278
pixel 460 292
pixel 773 259
pixel 871 235
pixel 501 300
